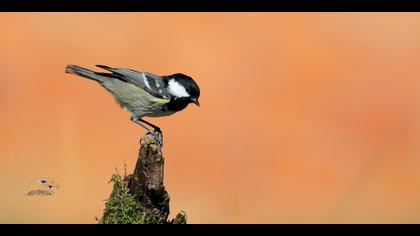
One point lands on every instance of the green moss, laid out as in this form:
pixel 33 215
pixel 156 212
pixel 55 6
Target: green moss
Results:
pixel 181 218
pixel 122 207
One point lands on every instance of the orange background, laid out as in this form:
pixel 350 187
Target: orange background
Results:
pixel 304 117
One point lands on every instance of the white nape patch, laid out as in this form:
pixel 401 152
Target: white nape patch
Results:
pixel 157 84
pixel 145 81
pixel 177 89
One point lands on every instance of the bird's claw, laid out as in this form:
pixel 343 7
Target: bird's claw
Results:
pixel 159 136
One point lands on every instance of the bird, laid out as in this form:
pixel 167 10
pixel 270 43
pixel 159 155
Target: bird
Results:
pixel 144 94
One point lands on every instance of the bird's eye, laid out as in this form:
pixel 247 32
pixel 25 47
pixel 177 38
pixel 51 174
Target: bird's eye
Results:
pixel 43 181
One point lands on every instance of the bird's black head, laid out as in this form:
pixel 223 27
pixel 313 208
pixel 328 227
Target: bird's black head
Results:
pixel 183 87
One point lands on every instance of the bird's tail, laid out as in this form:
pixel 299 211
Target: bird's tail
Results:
pixel 86 73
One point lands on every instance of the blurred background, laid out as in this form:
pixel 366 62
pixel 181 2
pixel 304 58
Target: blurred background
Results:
pixel 304 117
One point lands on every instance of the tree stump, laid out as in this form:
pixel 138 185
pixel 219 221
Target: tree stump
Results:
pixel 142 194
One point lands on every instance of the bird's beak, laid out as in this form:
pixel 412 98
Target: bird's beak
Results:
pixel 196 102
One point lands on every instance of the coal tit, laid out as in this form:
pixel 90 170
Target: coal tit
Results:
pixel 144 94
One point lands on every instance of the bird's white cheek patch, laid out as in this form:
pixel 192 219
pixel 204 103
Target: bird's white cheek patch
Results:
pixel 177 89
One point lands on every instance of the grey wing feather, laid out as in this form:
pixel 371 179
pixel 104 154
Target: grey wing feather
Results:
pixel 153 84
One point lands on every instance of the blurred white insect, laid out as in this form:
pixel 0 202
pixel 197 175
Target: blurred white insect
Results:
pixel 42 187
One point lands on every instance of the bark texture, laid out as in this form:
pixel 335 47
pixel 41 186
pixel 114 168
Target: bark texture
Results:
pixel 147 186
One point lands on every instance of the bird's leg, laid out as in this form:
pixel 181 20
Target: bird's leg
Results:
pixel 156 132
pixel 151 125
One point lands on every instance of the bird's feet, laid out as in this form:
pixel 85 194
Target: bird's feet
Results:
pixel 157 133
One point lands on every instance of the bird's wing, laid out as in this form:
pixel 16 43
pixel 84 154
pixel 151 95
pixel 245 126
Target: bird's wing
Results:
pixel 153 84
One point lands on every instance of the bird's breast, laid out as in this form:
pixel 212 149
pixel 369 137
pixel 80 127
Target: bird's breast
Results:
pixel 161 113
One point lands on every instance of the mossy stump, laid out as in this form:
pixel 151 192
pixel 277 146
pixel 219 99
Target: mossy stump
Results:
pixel 141 198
